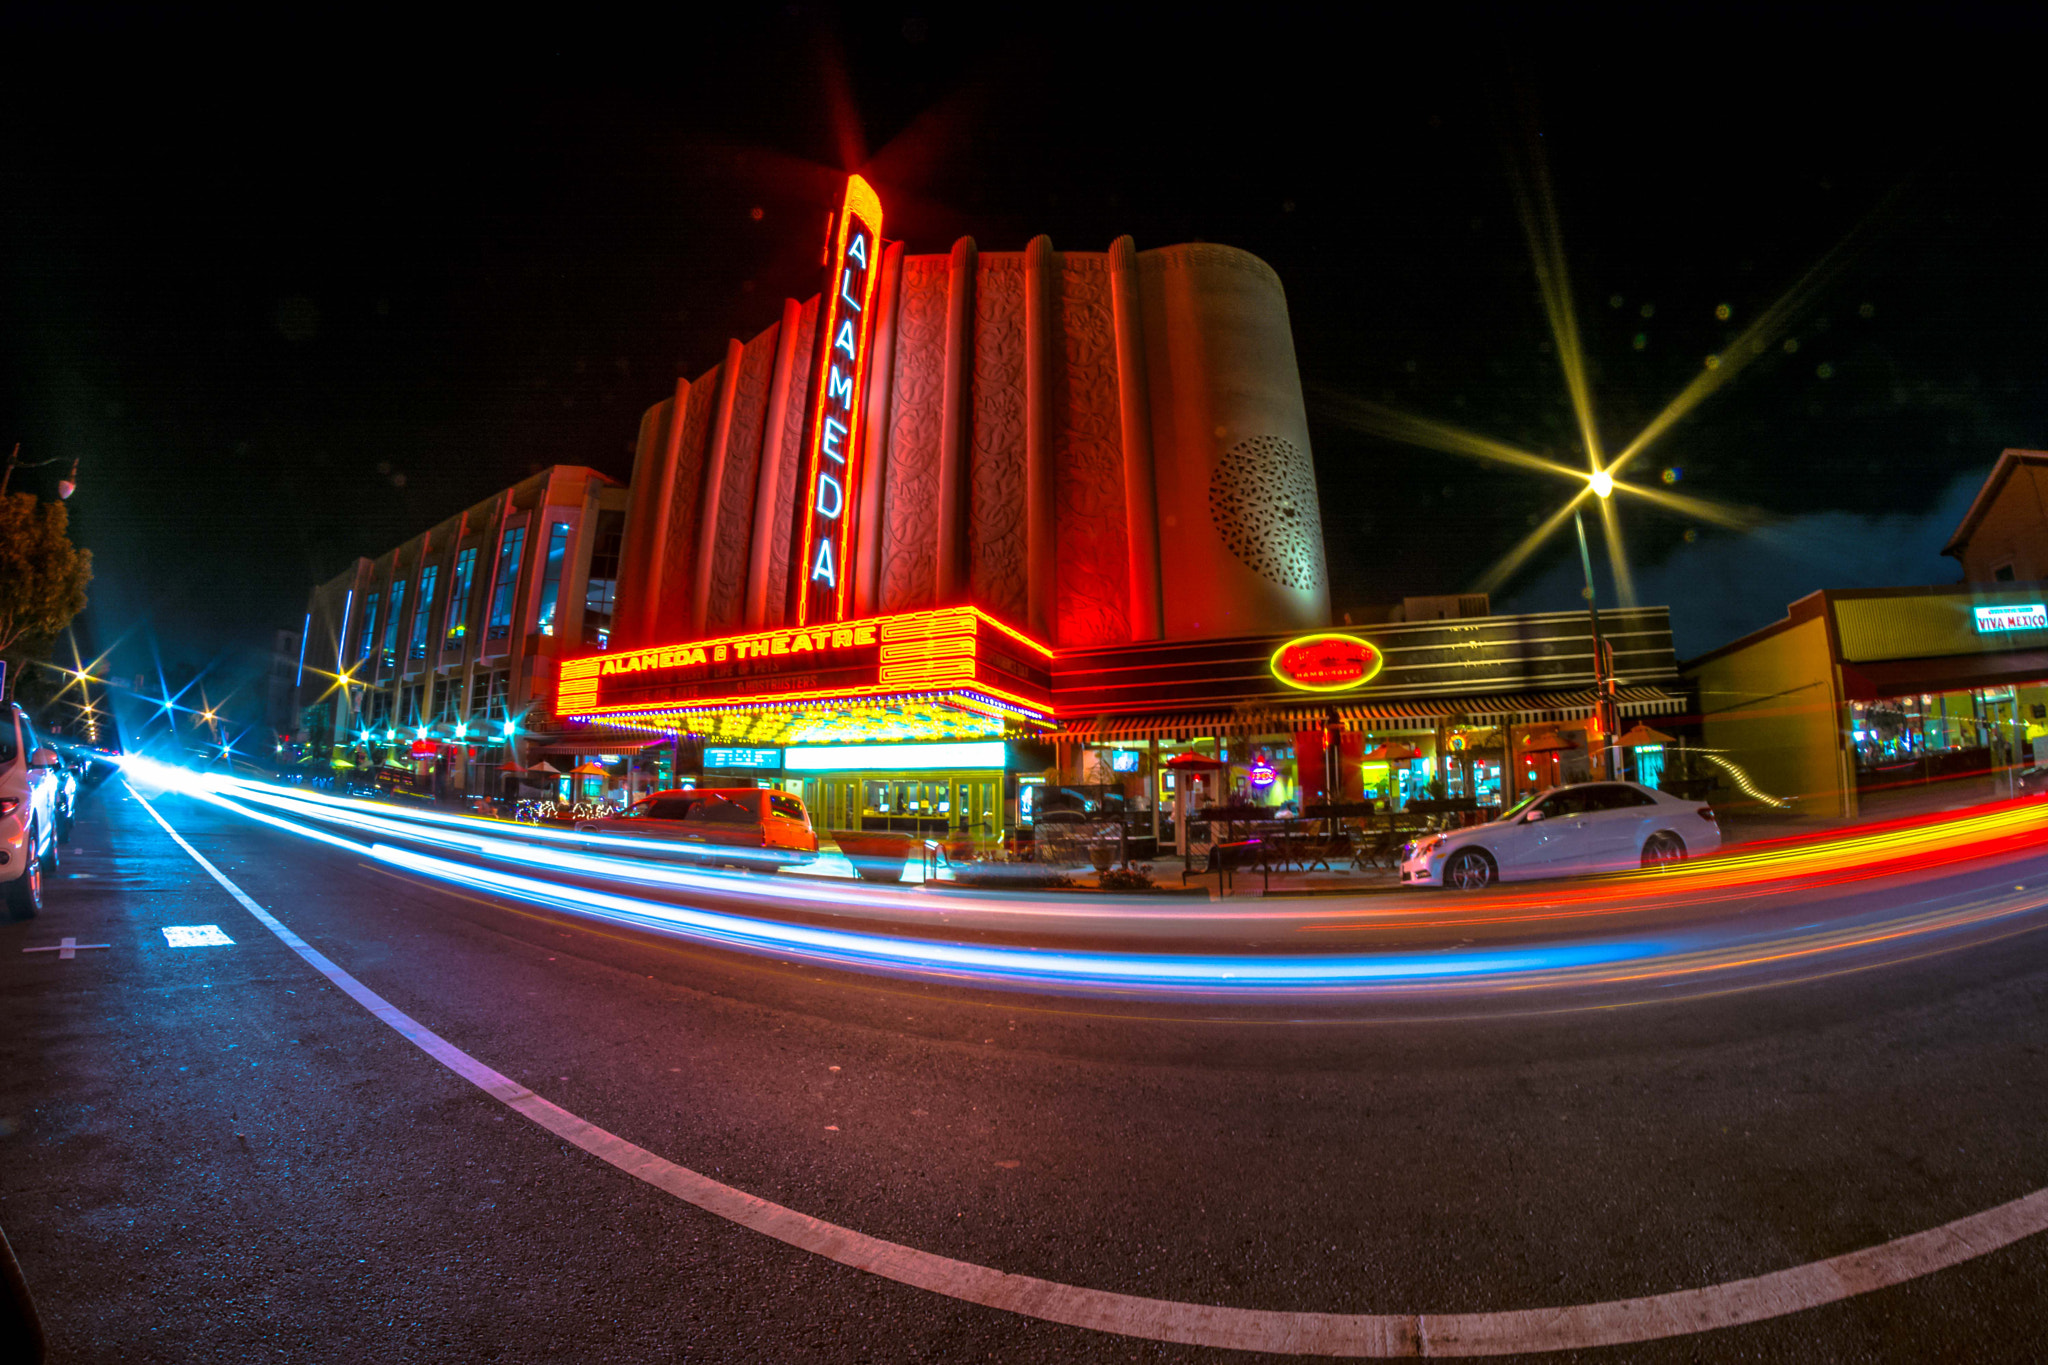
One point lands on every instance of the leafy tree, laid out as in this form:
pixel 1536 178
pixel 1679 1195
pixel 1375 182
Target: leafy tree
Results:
pixel 42 576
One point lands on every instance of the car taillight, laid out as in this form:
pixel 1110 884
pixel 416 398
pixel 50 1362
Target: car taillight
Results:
pixel 1706 812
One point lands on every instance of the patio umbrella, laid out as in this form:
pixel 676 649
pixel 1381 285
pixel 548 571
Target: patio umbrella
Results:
pixel 1392 752
pixel 1549 744
pixel 588 770
pixel 1195 762
pixel 1640 734
pixel 544 767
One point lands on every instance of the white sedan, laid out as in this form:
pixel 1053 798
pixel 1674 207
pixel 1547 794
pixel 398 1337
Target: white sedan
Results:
pixel 1588 827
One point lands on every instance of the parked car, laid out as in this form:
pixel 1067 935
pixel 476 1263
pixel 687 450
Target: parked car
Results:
pixel 29 787
pixel 1586 827
pixel 70 780
pixel 745 827
pixel 2033 782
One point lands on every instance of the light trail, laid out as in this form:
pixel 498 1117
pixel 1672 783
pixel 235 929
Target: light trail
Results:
pixel 1686 925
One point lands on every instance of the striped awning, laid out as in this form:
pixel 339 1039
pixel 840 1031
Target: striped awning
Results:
pixel 1186 725
pixel 1516 708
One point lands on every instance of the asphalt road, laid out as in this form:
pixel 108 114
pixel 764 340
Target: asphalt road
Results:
pixel 214 1154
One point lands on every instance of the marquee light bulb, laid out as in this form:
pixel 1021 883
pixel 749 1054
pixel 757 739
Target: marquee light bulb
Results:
pixel 1603 484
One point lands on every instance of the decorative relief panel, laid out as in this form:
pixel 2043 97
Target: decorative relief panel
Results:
pixel 1262 498
pixel 1091 602
pixel 791 456
pixel 1210 254
pixel 678 555
pixel 909 545
pixel 742 466
pixel 997 531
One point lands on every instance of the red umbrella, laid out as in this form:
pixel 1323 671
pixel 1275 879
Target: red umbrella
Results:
pixel 1194 761
pixel 1392 752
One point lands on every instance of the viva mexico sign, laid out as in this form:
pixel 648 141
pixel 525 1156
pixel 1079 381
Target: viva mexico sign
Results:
pixel 838 393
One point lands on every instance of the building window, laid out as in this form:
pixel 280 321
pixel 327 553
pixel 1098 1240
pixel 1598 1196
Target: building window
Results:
pixel 506 587
pixel 479 694
pixel 458 599
pixel 392 618
pixel 551 575
pixel 604 579
pixel 369 626
pixel 422 613
pixel 2002 574
pixel 499 707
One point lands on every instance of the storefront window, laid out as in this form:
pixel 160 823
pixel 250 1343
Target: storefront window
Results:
pixel 422 611
pixel 506 585
pixel 551 574
pixel 458 599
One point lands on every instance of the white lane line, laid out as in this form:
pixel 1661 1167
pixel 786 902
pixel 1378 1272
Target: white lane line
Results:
pixel 1378 1335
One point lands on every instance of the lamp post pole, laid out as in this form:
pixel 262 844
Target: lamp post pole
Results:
pixel 1603 681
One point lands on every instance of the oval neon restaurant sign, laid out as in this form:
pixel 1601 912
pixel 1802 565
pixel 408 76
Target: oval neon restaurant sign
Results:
pixel 1326 663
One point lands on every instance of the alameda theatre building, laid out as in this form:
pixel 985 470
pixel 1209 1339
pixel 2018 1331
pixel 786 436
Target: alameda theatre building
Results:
pixel 963 523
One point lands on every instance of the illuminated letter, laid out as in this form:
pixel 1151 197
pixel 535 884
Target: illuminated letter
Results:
pixel 864 635
pixel 841 638
pixel 834 433
pixel 822 572
pixel 831 497
pixel 844 341
pixel 858 251
pixel 802 643
pixel 718 653
pixel 839 388
pixel 781 644
pixel 845 283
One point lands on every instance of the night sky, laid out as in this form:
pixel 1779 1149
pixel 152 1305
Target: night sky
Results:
pixel 293 296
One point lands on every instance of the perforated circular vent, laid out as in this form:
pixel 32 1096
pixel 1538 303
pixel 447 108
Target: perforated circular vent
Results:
pixel 1262 498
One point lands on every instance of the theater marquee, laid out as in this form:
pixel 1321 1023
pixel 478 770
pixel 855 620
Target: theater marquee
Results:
pixel 954 650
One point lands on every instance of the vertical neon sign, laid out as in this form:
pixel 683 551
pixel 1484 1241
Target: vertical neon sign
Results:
pixel 839 390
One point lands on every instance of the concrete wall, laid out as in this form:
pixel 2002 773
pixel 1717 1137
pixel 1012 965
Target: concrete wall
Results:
pixel 1099 447
pixel 1772 708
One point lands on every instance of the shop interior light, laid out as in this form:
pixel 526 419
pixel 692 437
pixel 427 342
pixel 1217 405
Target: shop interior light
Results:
pixel 898 757
pixel 1603 484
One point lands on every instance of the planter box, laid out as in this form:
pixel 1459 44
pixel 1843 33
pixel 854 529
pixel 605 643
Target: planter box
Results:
pixel 876 856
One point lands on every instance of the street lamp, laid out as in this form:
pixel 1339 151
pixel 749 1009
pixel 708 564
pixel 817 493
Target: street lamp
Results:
pixel 1603 680
pixel 66 486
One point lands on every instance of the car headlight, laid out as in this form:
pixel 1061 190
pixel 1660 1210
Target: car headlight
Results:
pixel 1424 845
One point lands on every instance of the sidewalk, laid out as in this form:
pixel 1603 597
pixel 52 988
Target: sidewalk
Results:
pixel 1899 803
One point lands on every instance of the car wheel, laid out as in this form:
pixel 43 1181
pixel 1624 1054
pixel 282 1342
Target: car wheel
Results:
pixel 1470 869
pixel 50 855
pixel 25 893
pixel 1663 847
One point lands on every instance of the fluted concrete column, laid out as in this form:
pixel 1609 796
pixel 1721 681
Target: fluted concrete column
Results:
pixel 713 493
pixel 654 490
pixel 768 478
pixel 1041 278
pixel 874 447
pixel 955 426
pixel 1134 402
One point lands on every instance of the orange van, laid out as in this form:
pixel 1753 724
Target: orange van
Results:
pixel 752 828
